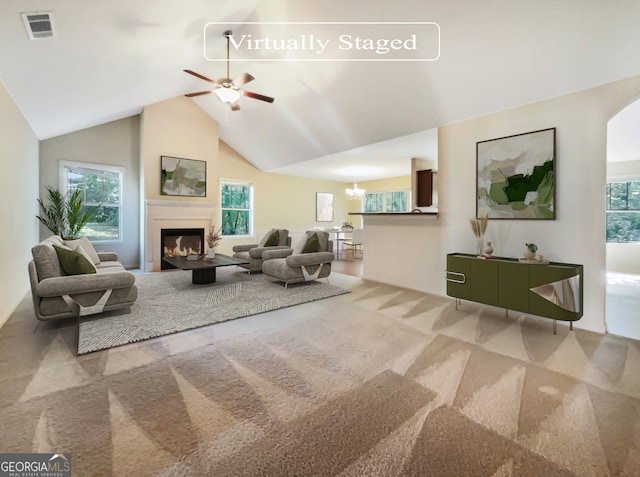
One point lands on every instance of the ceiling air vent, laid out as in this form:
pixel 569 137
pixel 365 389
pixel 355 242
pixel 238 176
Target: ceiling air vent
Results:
pixel 39 25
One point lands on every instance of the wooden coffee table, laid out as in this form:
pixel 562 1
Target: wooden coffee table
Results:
pixel 204 270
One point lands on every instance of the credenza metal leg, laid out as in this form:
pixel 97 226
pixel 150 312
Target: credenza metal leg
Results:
pixel 554 327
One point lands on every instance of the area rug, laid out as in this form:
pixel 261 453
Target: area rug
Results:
pixel 168 303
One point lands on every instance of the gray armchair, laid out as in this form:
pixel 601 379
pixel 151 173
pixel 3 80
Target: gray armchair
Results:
pixel 275 239
pixel 309 260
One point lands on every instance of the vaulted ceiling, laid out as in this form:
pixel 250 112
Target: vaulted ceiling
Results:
pixel 109 59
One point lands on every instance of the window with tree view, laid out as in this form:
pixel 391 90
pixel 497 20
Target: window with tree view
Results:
pixel 373 202
pixel 395 201
pixel 623 211
pixel 101 186
pixel 236 208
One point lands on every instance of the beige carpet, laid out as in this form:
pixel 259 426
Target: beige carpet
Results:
pixel 379 382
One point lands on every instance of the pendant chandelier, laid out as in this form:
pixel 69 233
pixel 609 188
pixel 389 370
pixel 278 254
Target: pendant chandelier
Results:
pixel 355 192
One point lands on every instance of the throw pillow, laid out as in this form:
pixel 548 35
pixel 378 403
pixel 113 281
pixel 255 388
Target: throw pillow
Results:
pixel 80 249
pixel 74 263
pixel 273 240
pixel 312 245
pixel 265 238
pixel 87 246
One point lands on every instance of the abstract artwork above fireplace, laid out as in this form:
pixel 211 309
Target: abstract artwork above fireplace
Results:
pixel 186 177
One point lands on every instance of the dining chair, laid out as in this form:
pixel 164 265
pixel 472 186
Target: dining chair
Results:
pixel 355 243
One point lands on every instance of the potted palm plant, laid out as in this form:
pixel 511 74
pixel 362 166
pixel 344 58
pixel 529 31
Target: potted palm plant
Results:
pixel 65 214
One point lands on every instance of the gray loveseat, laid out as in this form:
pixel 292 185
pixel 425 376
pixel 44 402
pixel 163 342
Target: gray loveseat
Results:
pixel 59 295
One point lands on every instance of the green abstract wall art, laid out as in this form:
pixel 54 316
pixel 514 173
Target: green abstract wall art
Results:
pixel 183 177
pixel 516 176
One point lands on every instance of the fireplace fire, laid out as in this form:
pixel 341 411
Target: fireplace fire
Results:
pixel 180 242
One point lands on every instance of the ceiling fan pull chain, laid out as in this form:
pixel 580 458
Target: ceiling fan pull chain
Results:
pixel 226 34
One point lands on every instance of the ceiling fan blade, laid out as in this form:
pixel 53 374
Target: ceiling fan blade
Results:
pixel 235 107
pixel 261 97
pixel 198 75
pixel 199 93
pixel 244 79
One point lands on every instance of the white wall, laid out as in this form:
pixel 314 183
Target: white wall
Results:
pixel 411 251
pixel 19 163
pixel 623 258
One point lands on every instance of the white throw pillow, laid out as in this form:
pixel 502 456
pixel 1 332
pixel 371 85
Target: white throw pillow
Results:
pixel 80 249
pixel 87 246
pixel 265 238
pixel 302 242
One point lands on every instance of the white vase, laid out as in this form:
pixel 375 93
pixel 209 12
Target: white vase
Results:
pixel 488 249
pixel 480 246
pixel 211 253
pixel 528 254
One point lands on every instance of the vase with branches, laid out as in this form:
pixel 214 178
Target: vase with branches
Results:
pixel 65 214
pixel 479 227
pixel 213 239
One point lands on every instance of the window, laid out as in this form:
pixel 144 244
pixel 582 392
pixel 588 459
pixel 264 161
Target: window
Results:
pixel 373 202
pixel 623 211
pixel 237 208
pixel 392 201
pixel 101 186
pixel 396 201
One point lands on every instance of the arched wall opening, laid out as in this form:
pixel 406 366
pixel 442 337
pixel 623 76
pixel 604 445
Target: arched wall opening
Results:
pixel 623 223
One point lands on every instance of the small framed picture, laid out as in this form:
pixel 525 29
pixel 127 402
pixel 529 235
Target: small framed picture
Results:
pixel 324 207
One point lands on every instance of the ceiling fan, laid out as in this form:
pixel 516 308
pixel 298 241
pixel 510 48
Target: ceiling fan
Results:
pixel 225 89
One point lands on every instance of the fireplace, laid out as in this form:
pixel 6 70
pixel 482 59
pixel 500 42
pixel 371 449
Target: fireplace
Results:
pixel 180 242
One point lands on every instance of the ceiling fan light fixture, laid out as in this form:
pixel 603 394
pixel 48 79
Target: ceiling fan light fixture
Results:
pixel 228 91
pixel 355 193
pixel 227 95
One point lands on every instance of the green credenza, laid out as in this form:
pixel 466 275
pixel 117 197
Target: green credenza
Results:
pixel 553 290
